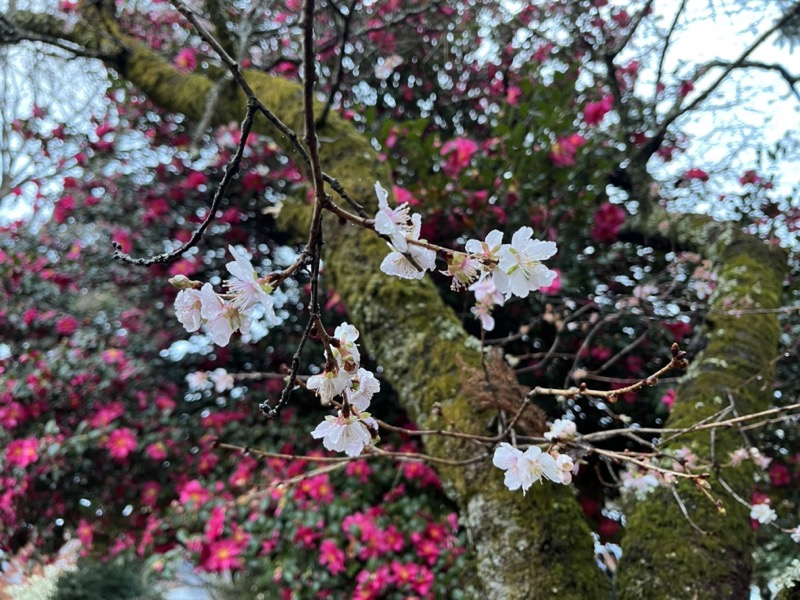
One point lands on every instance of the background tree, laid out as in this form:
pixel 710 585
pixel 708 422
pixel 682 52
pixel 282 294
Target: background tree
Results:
pixel 533 123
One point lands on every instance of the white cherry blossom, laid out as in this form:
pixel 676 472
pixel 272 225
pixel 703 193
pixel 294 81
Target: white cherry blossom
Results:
pixel 562 429
pixel 329 384
pixel 364 388
pixel 795 533
pixel 395 263
pixel 565 466
pixel 198 381
pixel 344 434
pixel 347 350
pixel 542 464
pixel 513 462
pixel 222 380
pixel 392 222
pixel 762 513
pixel 222 318
pixel 520 269
pixel 245 286
pixel 489 249
pixel 187 309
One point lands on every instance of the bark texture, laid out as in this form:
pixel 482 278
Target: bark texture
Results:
pixel 534 546
pixel 664 556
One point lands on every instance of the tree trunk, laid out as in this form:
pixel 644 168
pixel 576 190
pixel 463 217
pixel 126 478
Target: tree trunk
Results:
pixel 664 556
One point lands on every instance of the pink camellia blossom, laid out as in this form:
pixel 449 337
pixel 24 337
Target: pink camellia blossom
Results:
pixel 66 325
pixel 247 290
pixel 459 152
pixel 565 149
pixel 194 492
pixel 223 555
pixel 668 398
pixel 695 173
pixel 149 493
pixel 331 556
pixel 85 533
pixel 608 220
pixel 222 318
pixel 750 177
pixel 23 452
pixel 156 451
pixel 186 60
pixel 215 524
pixel 120 443
pixel 513 95
pixel 595 112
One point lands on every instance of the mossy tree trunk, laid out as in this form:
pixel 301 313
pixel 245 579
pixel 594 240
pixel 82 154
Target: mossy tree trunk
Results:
pixel 537 546
pixel 664 556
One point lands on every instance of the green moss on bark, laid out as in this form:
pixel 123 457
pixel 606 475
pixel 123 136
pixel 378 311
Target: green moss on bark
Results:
pixel 663 555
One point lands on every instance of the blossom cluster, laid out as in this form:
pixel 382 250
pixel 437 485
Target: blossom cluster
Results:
pixel 222 315
pixel 352 429
pixel 494 271
pixel 523 469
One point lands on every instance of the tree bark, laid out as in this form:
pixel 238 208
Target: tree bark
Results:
pixel 664 556
pixel 534 546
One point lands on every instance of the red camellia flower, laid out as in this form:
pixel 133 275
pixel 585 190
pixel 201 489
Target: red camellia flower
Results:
pixel 565 149
pixel 120 443
pixel 608 220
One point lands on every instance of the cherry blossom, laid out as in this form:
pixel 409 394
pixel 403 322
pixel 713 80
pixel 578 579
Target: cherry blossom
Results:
pixel 520 269
pixel 795 533
pixel 464 269
pixel 566 466
pixel 188 309
pixel 524 469
pixel 364 387
pixel 562 429
pixel 762 513
pixel 392 222
pixel 247 290
pixel 347 350
pixel 396 263
pixel 329 384
pixel 222 380
pixel 345 434
pixel 222 318
pixel 489 249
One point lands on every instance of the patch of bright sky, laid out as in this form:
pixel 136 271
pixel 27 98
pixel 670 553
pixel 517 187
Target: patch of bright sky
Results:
pixel 749 114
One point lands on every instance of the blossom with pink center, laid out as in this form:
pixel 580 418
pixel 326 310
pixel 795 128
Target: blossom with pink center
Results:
pixel 464 269
pixel 331 557
pixel 223 555
pixel 246 288
pixel 188 305
pixel 120 443
pixel 222 318
pixel 23 452
pixel 193 491
pixel 186 60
